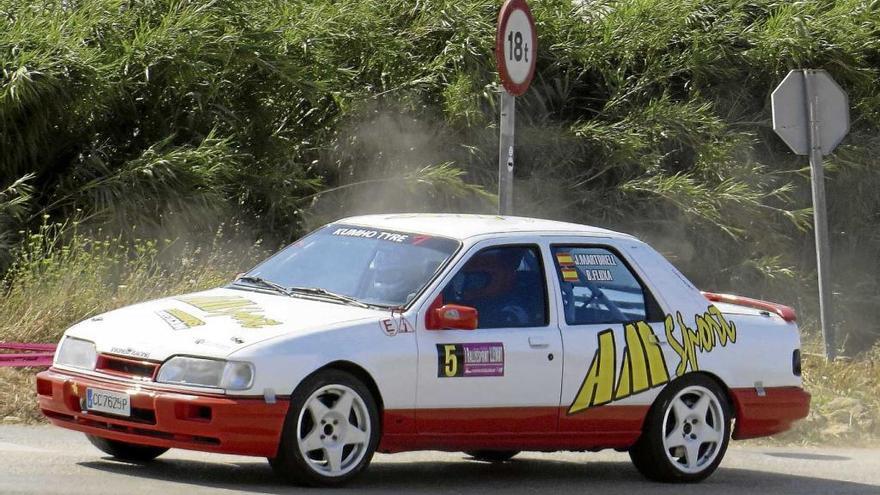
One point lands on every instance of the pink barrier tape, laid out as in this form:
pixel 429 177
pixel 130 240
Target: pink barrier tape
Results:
pixel 41 356
pixel 21 360
pixel 27 347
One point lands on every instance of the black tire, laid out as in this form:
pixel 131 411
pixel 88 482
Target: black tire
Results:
pixel 126 451
pixel 291 464
pixel 698 434
pixel 492 455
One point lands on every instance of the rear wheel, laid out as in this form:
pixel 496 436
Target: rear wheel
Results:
pixel 686 432
pixel 331 431
pixel 492 455
pixel 126 451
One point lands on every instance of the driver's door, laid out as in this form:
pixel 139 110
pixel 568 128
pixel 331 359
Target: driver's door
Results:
pixel 504 376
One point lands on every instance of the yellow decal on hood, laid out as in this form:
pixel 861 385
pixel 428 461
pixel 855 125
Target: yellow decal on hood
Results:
pixel 246 312
pixel 643 365
pixel 179 319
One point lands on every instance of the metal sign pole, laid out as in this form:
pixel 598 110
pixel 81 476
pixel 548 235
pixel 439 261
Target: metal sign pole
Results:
pixel 505 154
pixel 820 220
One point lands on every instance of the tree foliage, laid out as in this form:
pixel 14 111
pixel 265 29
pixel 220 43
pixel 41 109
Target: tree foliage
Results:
pixel 650 116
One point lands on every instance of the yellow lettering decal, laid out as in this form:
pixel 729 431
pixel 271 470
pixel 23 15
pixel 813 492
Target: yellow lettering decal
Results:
pixel 707 339
pixel 244 311
pixel 689 340
pixel 728 327
pixel 599 382
pixel 712 329
pixel 643 365
pixel 185 318
pixel 677 346
pixel 656 361
pixel 639 370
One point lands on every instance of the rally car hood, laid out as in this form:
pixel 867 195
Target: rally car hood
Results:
pixel 213 323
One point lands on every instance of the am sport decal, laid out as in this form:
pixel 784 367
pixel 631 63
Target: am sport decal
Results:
pixel 643 366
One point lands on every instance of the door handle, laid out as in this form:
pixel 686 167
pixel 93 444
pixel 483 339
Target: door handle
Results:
pixel 538 342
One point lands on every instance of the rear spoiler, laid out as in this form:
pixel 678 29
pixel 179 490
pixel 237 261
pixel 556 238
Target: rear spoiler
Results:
pixel 787 313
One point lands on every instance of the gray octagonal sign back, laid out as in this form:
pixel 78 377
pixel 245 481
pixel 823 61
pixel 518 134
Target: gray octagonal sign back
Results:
pixel 791 118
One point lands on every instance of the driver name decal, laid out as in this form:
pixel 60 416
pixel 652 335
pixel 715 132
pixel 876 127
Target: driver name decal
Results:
pixel 571 264
pixel 470 360
pixel 643 365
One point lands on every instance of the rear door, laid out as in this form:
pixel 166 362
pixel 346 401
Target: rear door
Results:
pixel 613 333
pixel 503 377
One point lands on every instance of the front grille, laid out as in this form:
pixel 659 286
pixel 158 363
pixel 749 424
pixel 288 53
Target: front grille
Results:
pixel 130 368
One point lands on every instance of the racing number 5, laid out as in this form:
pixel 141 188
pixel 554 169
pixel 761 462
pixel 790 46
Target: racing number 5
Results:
pixel 450 360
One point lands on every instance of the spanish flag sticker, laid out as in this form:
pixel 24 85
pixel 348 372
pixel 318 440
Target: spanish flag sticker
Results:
pixel 569 274
pixel 564 259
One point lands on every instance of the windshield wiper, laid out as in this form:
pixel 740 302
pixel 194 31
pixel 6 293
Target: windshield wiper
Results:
pixel 326 293
pixel 264 283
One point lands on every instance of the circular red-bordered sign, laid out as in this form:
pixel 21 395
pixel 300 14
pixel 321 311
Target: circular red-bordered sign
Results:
pixel 516 46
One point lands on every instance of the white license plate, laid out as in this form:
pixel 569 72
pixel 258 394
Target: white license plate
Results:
pixel 108 402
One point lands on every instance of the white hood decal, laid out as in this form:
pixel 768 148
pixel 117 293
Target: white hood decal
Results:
pixel 213 323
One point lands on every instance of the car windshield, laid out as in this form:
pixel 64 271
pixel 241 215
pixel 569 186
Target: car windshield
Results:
pixel 373 266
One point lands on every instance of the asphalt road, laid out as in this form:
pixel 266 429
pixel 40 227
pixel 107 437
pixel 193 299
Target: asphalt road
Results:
pixel 47 460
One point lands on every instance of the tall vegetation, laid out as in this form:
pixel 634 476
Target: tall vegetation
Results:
pixel 650 116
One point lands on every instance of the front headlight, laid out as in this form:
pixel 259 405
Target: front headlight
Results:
pixel 203 372
pixel 76 353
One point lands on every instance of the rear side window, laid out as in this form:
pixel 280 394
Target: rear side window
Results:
pixel 598 287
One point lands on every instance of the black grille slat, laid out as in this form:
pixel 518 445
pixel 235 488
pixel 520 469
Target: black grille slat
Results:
pixel 120 366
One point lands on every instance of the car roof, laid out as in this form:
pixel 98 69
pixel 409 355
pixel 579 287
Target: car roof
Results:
pixel 463 226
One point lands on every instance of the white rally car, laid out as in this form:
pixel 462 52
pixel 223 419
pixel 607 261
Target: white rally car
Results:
pixel 390 333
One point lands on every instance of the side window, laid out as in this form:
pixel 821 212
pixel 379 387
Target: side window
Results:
pixel 598 287
pixel 505 284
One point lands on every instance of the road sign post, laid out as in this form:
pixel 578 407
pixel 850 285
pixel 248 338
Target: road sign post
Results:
pixel 505 153
pixel 811 114
pixel 516 46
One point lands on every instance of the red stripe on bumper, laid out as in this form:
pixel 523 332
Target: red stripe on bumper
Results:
pixel 211 423
pixel 775 412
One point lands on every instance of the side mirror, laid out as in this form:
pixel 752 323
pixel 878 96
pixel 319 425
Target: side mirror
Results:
pixel 453 317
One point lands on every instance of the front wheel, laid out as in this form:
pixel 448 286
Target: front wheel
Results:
pixel 330 433
pixel 126 451
pixel 686 432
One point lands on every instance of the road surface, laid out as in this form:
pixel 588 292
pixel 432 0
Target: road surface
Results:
pixel 47 460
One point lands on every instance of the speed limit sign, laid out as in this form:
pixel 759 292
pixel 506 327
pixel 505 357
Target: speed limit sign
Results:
pixel 516 44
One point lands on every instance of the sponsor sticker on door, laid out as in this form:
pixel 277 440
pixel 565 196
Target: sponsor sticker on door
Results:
pixel 470 360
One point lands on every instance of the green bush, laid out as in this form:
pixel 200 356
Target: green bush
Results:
pixel 649 116
pixel 62 276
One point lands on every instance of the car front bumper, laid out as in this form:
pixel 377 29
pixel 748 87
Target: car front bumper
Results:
pixel 165 418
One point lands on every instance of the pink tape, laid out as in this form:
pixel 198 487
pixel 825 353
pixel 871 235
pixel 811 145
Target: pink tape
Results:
pixel 27 347
pixel 42 355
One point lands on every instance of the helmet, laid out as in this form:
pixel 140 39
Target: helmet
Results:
pixel 491 273
pixel 393 277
